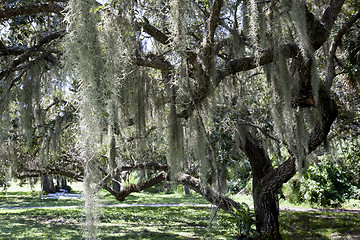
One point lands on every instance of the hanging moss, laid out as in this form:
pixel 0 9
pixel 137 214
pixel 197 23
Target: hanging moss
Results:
pixel 254 27
pixel 84 59
pixel 200 153
pixel 176 141
pixel 177 23
pixel 27 113
pixel 298 16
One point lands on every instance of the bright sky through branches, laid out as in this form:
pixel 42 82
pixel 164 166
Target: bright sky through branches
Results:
pixel 102 1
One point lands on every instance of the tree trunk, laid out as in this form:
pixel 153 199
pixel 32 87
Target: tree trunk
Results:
pixel 47 184
pixel 115 185
pixel 266 207
pixel 266 203
pixel 186 190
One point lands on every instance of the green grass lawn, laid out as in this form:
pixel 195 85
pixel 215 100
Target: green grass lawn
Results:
pixel 156 222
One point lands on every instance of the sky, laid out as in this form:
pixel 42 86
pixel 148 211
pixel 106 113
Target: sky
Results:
pixel 102 1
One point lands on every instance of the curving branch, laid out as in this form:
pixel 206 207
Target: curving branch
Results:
pixel 122 194
pixel 334 45
pixel 328 110
pixel 232 67
pixel 25 56
pixel 153 32
pixel 9 12
pixel 223 202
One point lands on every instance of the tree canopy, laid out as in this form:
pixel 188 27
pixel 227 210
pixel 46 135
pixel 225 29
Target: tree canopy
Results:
pixel 181 88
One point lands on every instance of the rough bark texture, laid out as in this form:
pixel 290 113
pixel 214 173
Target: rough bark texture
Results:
pixel 207 192
pixel 47 184
pixel 265 202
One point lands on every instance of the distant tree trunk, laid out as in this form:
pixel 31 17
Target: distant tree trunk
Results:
pixel 61 182
pixel 115 185
pixel 186 190
pixel 47 184
pixel 125 175
pixel 223 177
pixel 142 175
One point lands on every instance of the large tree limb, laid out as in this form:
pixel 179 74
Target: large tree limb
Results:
pixel 213 21
pixel 208 193
pixel 9 12
pixel 318 32
pixel 31 173
pixel 331 13
pixel 121 195
pixel 232 67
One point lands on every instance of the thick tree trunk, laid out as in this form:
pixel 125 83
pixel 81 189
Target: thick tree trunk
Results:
pixel 266 207
pixel 266 203
pixel 47 184
pixel 267 180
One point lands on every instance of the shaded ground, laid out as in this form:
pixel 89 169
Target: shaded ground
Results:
pixel 173 216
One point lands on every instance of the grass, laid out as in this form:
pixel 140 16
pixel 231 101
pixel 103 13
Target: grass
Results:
pixel 157 222
pixel 320 225
pixel 116 223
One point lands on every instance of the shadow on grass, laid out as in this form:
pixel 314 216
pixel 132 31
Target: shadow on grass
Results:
pixel 115 223
pixel 37 226
pixel 25 199
pixel 154 198
pixel 320 225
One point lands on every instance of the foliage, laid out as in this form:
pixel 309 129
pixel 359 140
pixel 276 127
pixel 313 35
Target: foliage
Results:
pixel 242 222
pixel 329 182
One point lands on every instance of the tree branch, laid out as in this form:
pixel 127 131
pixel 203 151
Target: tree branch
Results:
pixel 331 13
pixel 153 32
pixel 208 193
pixel 212 24
pixel 29 52
pixel 121 195
pixel 30 173
pixel 153 61
pixel 6 51
pixel 9 12
pixel 335 43
pixel 328 110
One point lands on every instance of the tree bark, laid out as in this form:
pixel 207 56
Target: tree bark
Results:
pixel 47 184
pixel 266 206
pixel 266 203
